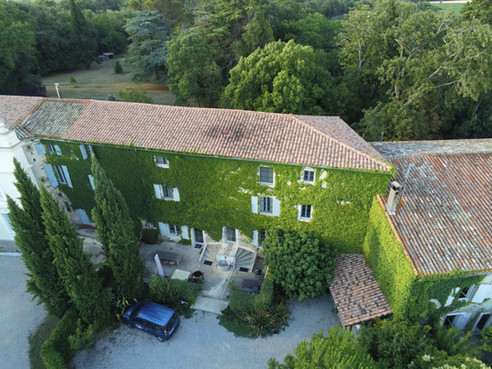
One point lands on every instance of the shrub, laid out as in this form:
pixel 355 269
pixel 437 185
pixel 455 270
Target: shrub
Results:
pixel 241 302
pixel 171 292
pixel 118 69
pixel 56 351
pixel 131 94
pixel 72 80
pixel 150 236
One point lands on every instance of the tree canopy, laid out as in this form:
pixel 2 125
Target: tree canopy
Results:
pixel 298 262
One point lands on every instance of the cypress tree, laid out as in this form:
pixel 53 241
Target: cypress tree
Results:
pixel 115 230
pixel 30 238
pixel 74 267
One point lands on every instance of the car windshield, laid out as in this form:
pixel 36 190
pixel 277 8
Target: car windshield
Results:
pixel 136 310
pixel 170 323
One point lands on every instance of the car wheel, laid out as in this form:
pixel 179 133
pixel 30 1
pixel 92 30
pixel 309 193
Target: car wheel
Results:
pixel 160 339
pixel 130 325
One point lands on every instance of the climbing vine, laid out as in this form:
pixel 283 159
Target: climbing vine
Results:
pixel 410 296
pixel 216 192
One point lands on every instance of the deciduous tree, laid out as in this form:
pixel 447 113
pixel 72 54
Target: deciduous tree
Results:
pixel 192 71
pixel 337 350
pixel 282 78
pixel 298 262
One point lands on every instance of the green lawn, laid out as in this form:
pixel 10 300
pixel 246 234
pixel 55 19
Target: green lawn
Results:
pixel 100 80
pixel 456 7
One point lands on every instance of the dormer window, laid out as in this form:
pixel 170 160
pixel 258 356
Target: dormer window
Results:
pixel 266 176
pixel 161 161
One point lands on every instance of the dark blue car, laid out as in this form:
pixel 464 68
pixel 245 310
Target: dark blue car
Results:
pixel 153 318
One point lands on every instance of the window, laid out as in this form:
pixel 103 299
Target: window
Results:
pixel 198 236
pixel 448 321
pixel 166 193
pixel 7 222
pixel 174 229
pixel 67 206
pixel 308 175
pixel 262 237
pixel 161 161
pixel 266 175
pixel 86 151
pixel 305 212
pixel 266 205
pixel 61 175
pixel 2 196
pixel 53 149
pixel 466 293
pixel 230 234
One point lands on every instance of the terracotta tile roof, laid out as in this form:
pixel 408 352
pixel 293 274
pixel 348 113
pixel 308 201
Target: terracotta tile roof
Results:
pixel 316 141
pixel 445 220
pixel 355 292
pixel 15 108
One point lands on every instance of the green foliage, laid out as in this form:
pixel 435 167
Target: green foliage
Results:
pixel 72 80
pixel 73 265
pixel 487 339
pixel 192 71
pixel 115 230
pixel 171 292
pixel 82 36
pixel 478 9
pixel 408 294
pixel 299 263
pixel 148 34
pixel 441 361
pixel 337 350
pixel 223 194
pixel 56 351
pixel 241 302
pixel 177 13
pixel 262 321
pixel 30 238
pixel 131 94
pixel 118 69
pixel 282 78
pixel 394 344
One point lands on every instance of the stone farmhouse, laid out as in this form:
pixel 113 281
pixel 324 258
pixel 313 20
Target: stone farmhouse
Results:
pixel 220 178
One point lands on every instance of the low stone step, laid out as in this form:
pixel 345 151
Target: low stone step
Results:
pixel 209 304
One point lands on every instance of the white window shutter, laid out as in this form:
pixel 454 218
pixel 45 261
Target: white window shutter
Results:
pixel 255 238
pixel 224 238
pixel 276 207
pixel 83 218
pixel 483 292
pixel 51 175
pixel 163 228
pixel 254 204
pixel 67 176
pixel 451 297
pixel 83 151
pixel 184 232
pixel 57 150
pixel 157 190
pixel 91 180
pixel 40 149
pixel 175 194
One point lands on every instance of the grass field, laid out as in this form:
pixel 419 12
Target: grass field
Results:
pixel 99 81
pixel 456 7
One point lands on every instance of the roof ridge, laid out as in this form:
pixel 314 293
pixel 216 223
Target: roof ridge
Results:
pixel 338 141
pixel 29 113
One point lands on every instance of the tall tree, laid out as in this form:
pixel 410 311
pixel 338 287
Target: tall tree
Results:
pixel 74 267
pixel 30 238
pixel 192 72
pixel 148 34
pixel 339 349
pixel 297 256
pixel 115 230
pixel 177 13
pixel 282 78
pixel 83 36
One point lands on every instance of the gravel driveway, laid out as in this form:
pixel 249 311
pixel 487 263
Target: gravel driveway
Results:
pixel 200 342
pixel 19 315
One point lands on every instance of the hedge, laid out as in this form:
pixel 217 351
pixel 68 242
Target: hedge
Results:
pixel 56 350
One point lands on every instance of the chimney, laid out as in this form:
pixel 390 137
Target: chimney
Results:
pixel 393 196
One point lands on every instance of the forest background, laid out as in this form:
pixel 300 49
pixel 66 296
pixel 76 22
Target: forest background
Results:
pixel 408 69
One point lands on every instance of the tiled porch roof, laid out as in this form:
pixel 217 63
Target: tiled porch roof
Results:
pixel 355 292
pixel 282 138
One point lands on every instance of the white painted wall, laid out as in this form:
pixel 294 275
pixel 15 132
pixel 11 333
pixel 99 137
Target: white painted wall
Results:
pixel 10 148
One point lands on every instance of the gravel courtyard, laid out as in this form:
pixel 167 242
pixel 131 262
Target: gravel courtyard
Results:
pixel 19 315
pixel 200 342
